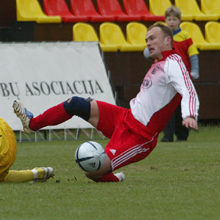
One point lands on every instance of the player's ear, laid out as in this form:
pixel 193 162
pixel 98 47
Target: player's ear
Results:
pixel 168 40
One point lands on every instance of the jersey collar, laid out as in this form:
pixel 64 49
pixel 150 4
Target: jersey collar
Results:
pixel 176 31
pixel 167 53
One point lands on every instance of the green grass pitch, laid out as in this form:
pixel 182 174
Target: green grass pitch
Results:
pixel 177 181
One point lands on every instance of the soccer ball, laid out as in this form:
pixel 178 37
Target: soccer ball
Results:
pixel 90 156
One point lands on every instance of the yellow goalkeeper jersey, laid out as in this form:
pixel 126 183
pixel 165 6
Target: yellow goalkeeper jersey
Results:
pixel 4 143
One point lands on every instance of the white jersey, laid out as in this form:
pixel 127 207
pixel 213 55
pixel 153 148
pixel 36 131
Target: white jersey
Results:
pixel 165 84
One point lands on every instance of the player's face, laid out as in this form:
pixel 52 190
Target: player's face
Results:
pixel 172 22
pixel 156 43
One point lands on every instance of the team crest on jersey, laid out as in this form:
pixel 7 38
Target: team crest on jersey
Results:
pixel 147 83
pixel 155 69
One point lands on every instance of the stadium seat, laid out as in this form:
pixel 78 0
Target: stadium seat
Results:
pixel 161 22
pixel 59 7
pixel 212 33
pixel 211 7
pixel 158 7
pixel 111 34
pixel 191 8
pixel 87 9
pixel 139 8
pixel 136 34
pixel 86 32
pixel 197 36
pixel 30 10
pixel 113 8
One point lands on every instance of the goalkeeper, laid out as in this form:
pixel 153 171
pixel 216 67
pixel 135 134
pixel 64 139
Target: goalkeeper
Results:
pixel 8 150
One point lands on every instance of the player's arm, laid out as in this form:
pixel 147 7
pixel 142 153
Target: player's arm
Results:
pixel 193 57
pixel 194 60
pixel 179 78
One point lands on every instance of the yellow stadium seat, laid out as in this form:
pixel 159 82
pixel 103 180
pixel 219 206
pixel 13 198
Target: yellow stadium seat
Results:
pixel 197 36
pixel 191 8
pixel 30 10
pixel 212 33
pixel 112 35
pixel 86 32
pixel 136 33
pixel 158 7
pixel 160 22
pixel 211 7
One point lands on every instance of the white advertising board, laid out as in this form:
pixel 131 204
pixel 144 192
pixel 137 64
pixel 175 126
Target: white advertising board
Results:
pixel 42 75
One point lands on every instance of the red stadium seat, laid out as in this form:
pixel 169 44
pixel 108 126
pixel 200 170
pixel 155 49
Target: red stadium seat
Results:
pixel 59 7
pixel 113 8
pixel 86 8
pixel 139 8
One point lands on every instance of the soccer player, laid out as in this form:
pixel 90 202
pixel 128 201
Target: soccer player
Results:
pixel 8 150
pixel 132 132
pixel 183 43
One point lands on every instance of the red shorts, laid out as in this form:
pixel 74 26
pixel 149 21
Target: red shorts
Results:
pixel 130 141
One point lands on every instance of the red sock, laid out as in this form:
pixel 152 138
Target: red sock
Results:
pixel 109 177
pixel 53 116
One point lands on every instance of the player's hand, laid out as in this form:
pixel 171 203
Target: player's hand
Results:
pixel 195 75
pixel 190 122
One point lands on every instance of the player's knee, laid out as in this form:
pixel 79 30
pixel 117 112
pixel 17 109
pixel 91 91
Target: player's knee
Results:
pixel 78 106
pixel 92 176
pixel 88 175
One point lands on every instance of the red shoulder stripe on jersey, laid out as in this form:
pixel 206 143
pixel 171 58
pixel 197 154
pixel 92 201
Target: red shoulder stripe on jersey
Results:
pixel 192 102
pixel 188 83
